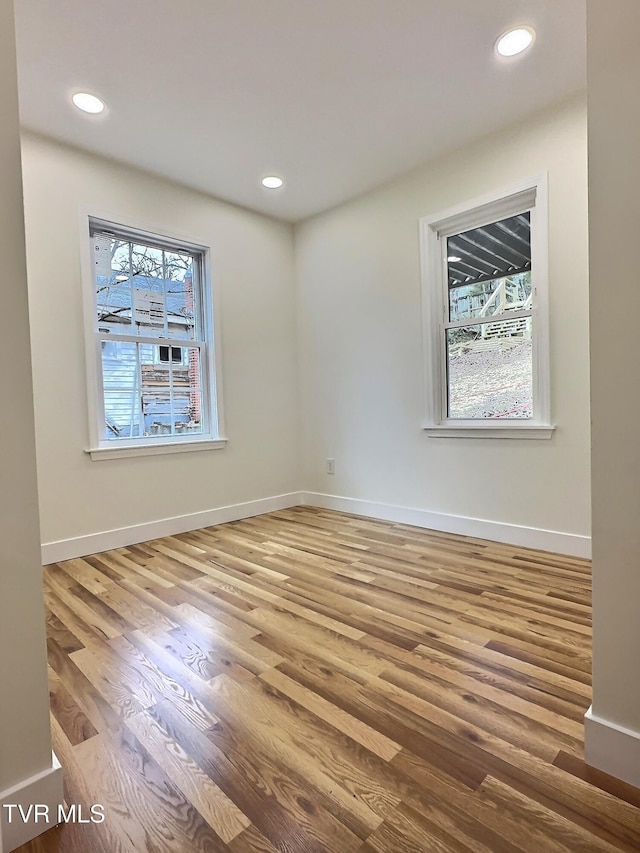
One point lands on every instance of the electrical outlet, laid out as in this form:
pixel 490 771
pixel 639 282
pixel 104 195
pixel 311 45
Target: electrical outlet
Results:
pixel 331 466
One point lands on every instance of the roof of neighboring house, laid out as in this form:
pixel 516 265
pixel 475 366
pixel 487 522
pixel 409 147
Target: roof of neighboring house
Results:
pixel 114 298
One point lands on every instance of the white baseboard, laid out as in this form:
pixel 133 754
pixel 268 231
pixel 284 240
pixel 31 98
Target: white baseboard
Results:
pixel 44 789
pixel 80 546
pixel 572 544
pixel 512 534
pixel 612 748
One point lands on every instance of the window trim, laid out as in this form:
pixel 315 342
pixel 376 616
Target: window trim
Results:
pixel 101 448
pixel 530 195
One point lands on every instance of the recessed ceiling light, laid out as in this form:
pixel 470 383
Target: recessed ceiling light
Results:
pixel 271 182
pixel 515 41
pixel 453 259
pixel 88 103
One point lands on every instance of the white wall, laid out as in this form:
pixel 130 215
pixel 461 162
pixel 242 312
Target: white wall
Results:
pixel 25 738
pixel 359 345
pixel 613 725
pixel 253 270
pixel 358 274
pixel 25 744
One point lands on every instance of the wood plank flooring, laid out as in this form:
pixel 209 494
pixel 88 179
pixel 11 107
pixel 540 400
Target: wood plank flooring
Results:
pixel 314 682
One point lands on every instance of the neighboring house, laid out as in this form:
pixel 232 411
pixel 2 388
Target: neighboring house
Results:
pixel 148 387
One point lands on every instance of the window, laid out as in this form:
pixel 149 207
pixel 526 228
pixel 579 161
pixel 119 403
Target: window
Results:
pixel 152 385
pixel 484 272
pixel 176 354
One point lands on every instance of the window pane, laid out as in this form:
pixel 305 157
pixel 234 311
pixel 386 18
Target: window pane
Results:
pixel 181 290
pixel 191 358
pixel 120 382
pixel 121 414
pixel 119 365
pixel 113 286
pixel 489 268
pixel 490 370
pixel 145 396
pixel 172 393
pixel 120 257
pixel 149 301
pixel 490 298
pixel 146 262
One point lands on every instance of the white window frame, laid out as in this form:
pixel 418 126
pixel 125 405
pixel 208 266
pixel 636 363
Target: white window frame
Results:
pixel 527 196
pixel 100 447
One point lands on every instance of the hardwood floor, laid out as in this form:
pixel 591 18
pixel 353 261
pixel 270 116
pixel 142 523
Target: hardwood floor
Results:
pixel 312 681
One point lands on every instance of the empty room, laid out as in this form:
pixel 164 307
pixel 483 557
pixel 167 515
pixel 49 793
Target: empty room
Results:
pixel 319 502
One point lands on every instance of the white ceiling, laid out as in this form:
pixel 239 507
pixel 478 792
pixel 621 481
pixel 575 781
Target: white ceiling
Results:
pixel 336 96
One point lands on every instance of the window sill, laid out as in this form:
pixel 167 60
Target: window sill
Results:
pixel 528 431
pixel 122 451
